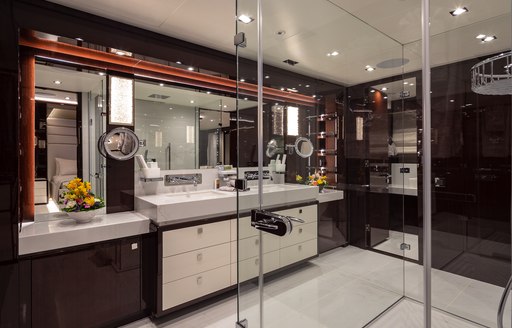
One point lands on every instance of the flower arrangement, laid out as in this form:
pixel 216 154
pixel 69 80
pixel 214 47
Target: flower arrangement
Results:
pixel 79 198
pixel 315 179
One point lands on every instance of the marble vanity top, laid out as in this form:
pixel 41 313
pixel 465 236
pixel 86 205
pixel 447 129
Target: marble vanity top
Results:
pixel 55 230
pixel 186 206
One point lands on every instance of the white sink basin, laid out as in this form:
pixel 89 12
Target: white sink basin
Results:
pixel 196 195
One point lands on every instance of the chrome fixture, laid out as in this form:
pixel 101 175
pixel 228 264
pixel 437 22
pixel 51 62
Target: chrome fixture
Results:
pixel 183 179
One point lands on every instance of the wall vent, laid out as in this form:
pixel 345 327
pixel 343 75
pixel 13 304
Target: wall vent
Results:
pixel 290 62
pixel 157 96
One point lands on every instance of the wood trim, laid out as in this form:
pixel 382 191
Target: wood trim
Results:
pixel 27 135
pixel 103 60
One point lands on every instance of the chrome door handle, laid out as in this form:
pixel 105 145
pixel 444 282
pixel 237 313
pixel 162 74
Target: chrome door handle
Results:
pixel 273 223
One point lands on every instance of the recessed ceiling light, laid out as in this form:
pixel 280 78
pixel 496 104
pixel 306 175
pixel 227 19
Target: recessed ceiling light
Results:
pixel 101 73
pixel 246 98
pixel 369 68
pixel 208 92
pixel 79 39
pixel 170 108
pixel 245 19
pixel 282 89
pixel 120 52
pixel 178 62
pixel 161 84
pixel 481 36
pixel 333 53
pixel 411 83
pixel 190 68
pixel 372 90
pixel 57 82
pixel 459 11
pixel 489 38
pixel 192 101
pixel 267 76
pixel 314 96
pixel 242 80
pixel 225 106
pixel 385 97
pixel 384 89
pixel 307 85
pixel 406 82
pixel 277 104
pixel 452 100
pixel 67 98
pixel 211 120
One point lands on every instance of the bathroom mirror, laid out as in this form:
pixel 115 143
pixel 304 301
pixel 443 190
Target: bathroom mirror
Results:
pixel 303 147
pixel 120 144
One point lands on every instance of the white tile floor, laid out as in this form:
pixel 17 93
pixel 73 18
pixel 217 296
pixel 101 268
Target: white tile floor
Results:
pixel 392 244
pixel 346 288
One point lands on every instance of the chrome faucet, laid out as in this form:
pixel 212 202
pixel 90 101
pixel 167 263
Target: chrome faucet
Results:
pixel 183 179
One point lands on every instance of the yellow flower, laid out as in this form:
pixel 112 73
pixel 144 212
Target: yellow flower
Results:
pixel 298 178
pixel 89 200
pixel 88 186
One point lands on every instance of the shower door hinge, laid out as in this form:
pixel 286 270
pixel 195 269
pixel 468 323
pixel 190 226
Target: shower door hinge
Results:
pixel 242 324
pixel 240 40
pixel 404 246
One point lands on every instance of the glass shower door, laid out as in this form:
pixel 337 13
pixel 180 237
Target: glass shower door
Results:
pixel 283 281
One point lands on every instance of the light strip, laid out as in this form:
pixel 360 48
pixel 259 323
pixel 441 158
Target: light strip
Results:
pixel 292 121
pixel 54 100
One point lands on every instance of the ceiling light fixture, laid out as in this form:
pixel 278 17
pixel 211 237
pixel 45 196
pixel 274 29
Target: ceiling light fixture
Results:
pixel 405 83
pixel 369 68
pixel 57 82
pixel 178 62
pixel 242 80
pixel 267 76
pixel 192 101
pixel 161 84
pixel 459 11
pixel 190 68
pixel 79 39
pixel 67 98
pixel 333 53
pixel 411 83
pixel 282 89
pixel 307 85
pixel 489 38
pixel 481 36
pixel 101 74
pixel 245 19
pixel 208 92
pixel 372 90
pixel 452 100
pixel 120 52
pixel 384 89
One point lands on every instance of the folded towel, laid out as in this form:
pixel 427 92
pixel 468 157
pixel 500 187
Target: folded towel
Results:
pixel 227 188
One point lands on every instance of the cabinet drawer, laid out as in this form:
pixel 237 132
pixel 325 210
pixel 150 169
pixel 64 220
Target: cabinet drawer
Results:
pixel 186 264
pixel 250 268
pixel 246 230
pixel 40 192
pixel 300 233
pixel 307 213
pixel 295 253
pixel 186 289
pixel 196 237
pixel 249 247
pixel 40 185
pixel 40 199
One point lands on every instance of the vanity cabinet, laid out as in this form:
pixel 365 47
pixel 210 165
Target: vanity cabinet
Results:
pixel 195 262
pixel 202 259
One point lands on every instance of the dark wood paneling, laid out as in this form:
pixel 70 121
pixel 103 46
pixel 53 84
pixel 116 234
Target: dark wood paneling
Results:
pixel 9 296
pixel 95 287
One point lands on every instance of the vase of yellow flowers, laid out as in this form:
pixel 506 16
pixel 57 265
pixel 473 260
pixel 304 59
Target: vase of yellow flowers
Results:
pixel 79 202
pixel 315 179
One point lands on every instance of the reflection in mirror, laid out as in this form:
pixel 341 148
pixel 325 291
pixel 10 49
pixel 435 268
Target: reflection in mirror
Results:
pixel 120 144
pixel 304 147
pixel 272 148
pixel 182 128
pixel 66 97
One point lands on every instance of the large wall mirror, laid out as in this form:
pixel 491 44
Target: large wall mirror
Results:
pixel 69 119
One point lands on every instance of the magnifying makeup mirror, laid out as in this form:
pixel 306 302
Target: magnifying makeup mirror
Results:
pixel 120 144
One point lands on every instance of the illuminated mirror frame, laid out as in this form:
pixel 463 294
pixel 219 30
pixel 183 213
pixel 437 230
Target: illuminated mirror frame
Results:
pixel 121 101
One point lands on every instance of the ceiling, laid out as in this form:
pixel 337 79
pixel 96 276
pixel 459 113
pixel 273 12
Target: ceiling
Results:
pixel 364 32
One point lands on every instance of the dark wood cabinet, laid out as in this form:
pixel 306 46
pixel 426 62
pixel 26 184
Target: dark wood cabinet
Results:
pixel 332 225
pixel 97 286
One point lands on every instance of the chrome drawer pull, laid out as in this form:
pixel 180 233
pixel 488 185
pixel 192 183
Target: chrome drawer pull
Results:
pixel 199 230
pixel 199 256
pixel 199 280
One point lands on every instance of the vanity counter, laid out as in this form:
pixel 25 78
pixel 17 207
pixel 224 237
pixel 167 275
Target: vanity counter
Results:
pixel 54 231
pixel 172 208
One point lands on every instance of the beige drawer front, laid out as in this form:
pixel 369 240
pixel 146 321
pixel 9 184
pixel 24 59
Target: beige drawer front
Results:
pixel 300 233
pixel 250 268
pixel 186 289
pixel 196 237
pixel 307 213
pixel 190 263
pixel 40 199
pixel 249 247
pixel 40 185
pixel 246 230
pixel 40 192
pixel 295 253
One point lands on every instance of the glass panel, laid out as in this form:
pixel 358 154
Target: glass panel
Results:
pixel 361 119
pixel 471 158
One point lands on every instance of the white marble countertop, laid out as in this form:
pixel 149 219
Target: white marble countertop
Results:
pixel 329 195
pixel 56 230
